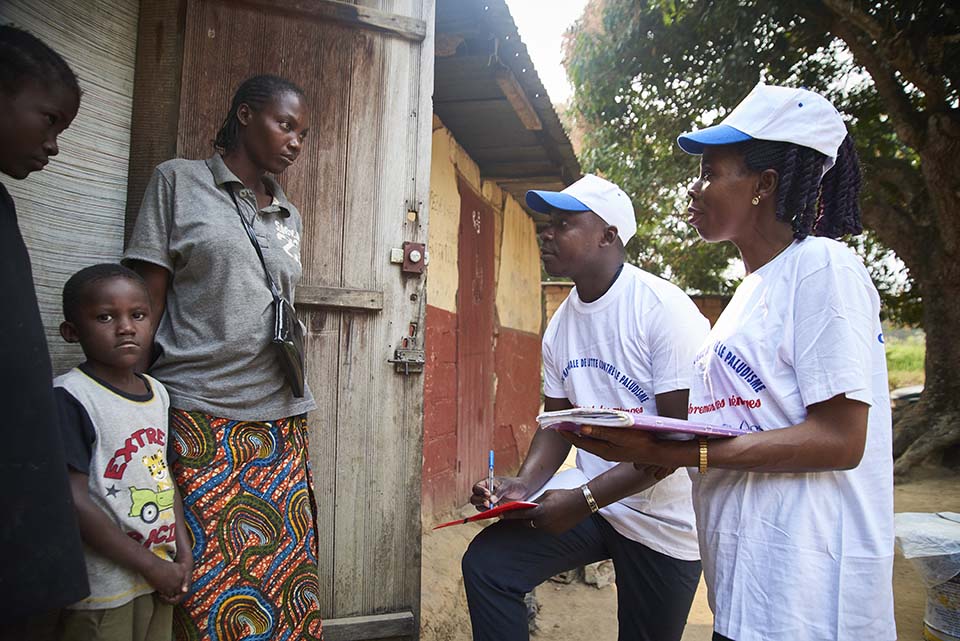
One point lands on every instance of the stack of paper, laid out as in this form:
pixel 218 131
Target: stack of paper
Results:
pixel 586 416
pixel 665 427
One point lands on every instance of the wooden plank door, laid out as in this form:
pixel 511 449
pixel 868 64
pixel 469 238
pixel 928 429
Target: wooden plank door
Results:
pixel 361 184
pixel 475 324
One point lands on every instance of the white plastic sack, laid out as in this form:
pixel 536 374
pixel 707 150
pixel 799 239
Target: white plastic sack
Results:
pixel 932 541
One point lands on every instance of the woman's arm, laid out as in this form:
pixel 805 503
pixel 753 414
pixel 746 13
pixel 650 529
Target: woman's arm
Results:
pixel 832 437
pixel 157 279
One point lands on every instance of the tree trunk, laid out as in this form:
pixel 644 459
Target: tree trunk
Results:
pixel 932 426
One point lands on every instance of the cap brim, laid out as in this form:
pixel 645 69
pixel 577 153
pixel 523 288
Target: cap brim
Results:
pixel 545 201
pixel 695 141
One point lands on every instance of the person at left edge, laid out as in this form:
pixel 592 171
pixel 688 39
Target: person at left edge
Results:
pixel 42 569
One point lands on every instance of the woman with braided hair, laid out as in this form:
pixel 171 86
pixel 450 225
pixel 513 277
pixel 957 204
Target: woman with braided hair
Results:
pixel 795 518
pixel 239 429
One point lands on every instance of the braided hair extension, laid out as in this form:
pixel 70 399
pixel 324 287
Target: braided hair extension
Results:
pixel 828 208
pixel 839 197
pixel 256 93
pixel 25 57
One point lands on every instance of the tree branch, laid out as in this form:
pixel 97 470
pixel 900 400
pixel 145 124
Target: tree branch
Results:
pixel 906 120
pixel 895 229
pixel 896 50
pixel 859 19
pixel 895 206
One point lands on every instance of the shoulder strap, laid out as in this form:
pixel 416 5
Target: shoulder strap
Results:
pixel 256 245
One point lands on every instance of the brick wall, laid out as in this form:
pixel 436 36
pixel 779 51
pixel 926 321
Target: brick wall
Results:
pixel 440 411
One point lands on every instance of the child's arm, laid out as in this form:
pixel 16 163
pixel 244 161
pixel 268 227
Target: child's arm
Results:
pixel 99 532
pixel 184 552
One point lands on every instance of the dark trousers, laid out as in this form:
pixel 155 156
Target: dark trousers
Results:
pixel 39 627
pixel 508 559
pixel 719 637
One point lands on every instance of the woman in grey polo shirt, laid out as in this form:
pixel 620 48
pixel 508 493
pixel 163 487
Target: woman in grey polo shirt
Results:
pixel 244 468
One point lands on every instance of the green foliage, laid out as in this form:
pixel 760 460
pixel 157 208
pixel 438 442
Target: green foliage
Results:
pixel 905 360
pixel 905 355
pixel 659 68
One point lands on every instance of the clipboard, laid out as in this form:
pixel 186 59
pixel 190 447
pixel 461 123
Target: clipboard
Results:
pixel 491 513
pixel 663 426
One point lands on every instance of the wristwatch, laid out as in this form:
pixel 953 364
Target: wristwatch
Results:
pixel 703 456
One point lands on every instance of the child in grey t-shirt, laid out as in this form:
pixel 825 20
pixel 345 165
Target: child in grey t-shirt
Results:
pixel 115 431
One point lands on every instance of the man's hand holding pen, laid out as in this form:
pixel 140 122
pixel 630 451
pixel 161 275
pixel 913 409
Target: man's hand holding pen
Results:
pixel 509 488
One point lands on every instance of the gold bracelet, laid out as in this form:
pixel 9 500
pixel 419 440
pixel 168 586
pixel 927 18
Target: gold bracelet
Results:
pixel 703 455
pixel 592 502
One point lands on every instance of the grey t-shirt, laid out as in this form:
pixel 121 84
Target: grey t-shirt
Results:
pixel 215 332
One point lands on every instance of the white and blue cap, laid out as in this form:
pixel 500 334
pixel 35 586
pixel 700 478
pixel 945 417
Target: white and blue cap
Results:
pixel 781 114
pixel 590 193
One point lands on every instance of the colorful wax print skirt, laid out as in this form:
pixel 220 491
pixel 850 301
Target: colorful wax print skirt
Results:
pixel 249 506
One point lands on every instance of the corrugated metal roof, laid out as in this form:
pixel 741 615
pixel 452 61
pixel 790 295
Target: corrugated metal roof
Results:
pixel 477 43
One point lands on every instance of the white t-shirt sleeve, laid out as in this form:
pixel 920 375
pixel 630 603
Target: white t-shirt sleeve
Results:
pixel 834 318
pixel 675 329
pixel 552 375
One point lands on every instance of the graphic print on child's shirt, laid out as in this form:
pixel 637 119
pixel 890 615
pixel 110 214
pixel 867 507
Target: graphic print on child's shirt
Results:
pixel 120 441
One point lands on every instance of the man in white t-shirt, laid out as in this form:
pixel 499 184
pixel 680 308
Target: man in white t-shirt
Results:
pixel 623 339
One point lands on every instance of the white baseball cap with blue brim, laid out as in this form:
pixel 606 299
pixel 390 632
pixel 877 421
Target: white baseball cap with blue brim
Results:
pixel 590 193
pixel 780 114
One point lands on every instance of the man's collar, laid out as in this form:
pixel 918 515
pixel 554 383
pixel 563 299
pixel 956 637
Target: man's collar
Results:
pixel 223 176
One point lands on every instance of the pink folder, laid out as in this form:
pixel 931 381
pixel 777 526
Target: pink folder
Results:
pixel 669 428
pixel 491 513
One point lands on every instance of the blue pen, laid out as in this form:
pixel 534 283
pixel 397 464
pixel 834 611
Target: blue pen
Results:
pixel 490 478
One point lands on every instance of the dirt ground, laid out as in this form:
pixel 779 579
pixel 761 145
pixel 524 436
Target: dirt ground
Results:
pixel 581 611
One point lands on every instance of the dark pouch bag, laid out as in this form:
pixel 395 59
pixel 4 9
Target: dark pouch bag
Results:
pixel 287 336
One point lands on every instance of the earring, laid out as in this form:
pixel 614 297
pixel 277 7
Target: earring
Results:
pixel 756 200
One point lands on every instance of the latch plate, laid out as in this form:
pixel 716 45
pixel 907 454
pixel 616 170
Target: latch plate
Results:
pixel 413 258
pixel 408 361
